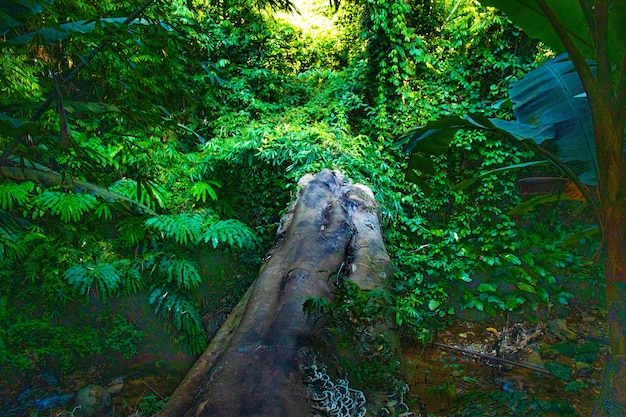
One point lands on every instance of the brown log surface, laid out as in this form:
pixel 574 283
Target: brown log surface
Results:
pixel 253 366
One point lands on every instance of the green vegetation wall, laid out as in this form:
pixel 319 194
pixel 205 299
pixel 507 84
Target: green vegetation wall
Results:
pixel 131 145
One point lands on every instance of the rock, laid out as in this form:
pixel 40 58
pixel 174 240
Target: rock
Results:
pixel 89 400
pixel 558 327
pixel 115 385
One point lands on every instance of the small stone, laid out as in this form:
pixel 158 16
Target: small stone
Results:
pixel 89 400
pixel 115 385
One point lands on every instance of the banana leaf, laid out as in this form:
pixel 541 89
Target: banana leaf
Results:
pixel 553 95
pixel 528 15
pixel 553 119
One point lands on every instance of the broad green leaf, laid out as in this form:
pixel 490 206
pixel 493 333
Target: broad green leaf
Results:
pixel 528 15
pixel 13 13
pixel 433 305
pixel 549 105
pixel 510 258
pixel 487 288
pixel 550 96
pixel 12 127
pixel 434 137
pixel 526 287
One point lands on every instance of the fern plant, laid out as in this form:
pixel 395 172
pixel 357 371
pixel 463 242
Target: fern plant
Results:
pixel 181 272
pixel 70 207
pixel 12 194
pixel 103 278
pixel 232 232
pixel 195 228
pixel 184 228
pixel 184 312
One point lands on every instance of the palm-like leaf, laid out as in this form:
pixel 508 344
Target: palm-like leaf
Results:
pixel 552 96
pixel 552 111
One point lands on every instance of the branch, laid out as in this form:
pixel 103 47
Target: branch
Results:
pixel 47 176
pixel 494 358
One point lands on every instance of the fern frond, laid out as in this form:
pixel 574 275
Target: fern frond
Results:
pixel 13 234
pixel 132 279
pixel 104 278
pixel 12 193
pixel 184 314
pixel 184 227
pixel 147 193
pixel 69 206
pixel 231 232
pixel 103 211
pixel 203 189
pixel 182 272
pixel 131 231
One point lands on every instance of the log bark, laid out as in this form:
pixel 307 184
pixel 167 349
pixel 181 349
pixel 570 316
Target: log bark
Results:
pixel 255 364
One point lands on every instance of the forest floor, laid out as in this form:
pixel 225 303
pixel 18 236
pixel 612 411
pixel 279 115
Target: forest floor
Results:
pixel 548 365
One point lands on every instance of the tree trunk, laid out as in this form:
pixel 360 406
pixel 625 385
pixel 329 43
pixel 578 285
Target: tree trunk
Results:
pixel 256 363
pixel 612 399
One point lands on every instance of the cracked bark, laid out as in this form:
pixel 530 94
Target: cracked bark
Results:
pixel 252 367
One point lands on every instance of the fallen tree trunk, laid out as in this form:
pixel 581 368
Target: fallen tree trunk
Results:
pixel 257 362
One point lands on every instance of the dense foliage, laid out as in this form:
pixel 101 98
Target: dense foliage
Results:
pixel 183 132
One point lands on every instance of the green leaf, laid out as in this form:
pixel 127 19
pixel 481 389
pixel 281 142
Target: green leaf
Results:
pixel 549 104
pixel 487 288
pixel 12 193
pixel 526 287
pixel 12 127
pixel 433 305
pixel 530 204
pixel 89 107
pixel 103 278
pixel 512 259
pixel 184 227
pixel 182 272
pixel 574 386
pixel 575 238
pixel 464 184
pixel 528 16
pixel 232 232
pixel 559 371
pixel 184 313
pixel 434 137
pixel 553 96
pixel 203 189
pixel 13 13
pixel 45 176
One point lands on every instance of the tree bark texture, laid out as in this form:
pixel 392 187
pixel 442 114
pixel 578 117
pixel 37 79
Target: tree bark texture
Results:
pixel 254 364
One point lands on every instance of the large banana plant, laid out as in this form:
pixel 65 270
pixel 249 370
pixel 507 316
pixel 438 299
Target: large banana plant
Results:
pixel 552 118
pixel 593 33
